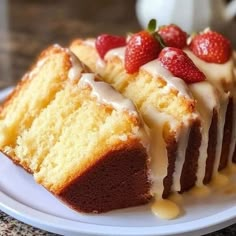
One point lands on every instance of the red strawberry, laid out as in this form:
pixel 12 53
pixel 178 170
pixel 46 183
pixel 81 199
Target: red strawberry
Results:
pixel 173 36
pixel 211 47
pixel 142 47
pixel 180 65
pixel 106 42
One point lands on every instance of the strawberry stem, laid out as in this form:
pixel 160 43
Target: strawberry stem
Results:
pixel 152 25
pixel 159 39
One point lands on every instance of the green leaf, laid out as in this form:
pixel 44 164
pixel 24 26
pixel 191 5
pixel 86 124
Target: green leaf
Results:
pixel 152 25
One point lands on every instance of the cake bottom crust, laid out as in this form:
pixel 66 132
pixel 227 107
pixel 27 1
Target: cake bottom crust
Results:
pixel 118 180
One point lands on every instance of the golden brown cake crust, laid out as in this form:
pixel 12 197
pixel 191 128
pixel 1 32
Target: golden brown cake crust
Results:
pixel 118 180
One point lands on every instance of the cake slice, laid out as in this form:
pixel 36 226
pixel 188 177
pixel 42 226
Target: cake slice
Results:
pixel 81 139
pixel 194 119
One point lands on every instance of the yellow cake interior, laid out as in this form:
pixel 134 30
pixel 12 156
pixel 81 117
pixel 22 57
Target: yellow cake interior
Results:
pixel 31 98
pixel 56 129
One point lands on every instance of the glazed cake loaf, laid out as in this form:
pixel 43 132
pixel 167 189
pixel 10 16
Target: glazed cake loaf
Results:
pixel 194 122
pixel 176 134
pixel 223 103
pixel 82 140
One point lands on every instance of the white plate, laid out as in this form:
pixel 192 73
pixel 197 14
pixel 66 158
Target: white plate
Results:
pixel 27 201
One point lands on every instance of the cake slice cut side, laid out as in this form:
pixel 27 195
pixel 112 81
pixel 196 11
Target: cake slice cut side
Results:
pixel 35 143
pixel 87 142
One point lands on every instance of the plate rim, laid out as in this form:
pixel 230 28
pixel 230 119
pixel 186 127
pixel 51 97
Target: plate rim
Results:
pixel 57 224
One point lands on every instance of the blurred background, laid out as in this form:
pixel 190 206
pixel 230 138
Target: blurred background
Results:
pixel 28 26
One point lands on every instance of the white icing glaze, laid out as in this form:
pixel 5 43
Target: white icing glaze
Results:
pixel 207 100
pixel 217 75
pixel 100 65
pixel 220 180
pixel 159 161
pixel 116 52
pixel 165 209
pixel 76 67
pixel 105 94
pixel 220 130
pixel 176 197
pixel 180 156
pixel 154 67
pixel 200 192
pixel 74 70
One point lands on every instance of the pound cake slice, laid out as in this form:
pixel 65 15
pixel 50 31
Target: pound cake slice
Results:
pixel 187 102
pixel 82 140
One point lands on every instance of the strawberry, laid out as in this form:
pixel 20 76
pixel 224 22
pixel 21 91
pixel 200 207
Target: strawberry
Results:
pixel 180 65
pixel 141 48
pixel 173 36
pixel 211 47
pixel 106 42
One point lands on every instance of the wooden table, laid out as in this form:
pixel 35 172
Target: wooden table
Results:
pixel 27 27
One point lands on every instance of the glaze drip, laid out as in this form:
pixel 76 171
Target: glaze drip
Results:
pixel 106 94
